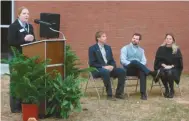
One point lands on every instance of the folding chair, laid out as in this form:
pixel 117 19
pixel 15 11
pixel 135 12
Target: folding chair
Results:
pixel 93 80
pixel 161 87
pixel 153 84
pixel 128 78
pixel 178 86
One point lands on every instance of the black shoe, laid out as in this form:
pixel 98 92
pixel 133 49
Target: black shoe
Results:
pixel 166 94
pixel 152 73
pixel 143 96
pixel 171 94
pixel 122 96
pixel 155 75
pixel 43 116
pixel 111 98
pixel 16 111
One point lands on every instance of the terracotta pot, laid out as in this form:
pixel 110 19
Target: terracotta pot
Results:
pixel 28 111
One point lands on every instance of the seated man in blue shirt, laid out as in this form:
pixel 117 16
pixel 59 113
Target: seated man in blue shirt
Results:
pixel 101 57
pixel 133 60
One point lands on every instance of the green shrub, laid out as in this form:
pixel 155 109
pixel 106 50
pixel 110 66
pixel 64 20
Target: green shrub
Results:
pixel 64 95
pixel 27 78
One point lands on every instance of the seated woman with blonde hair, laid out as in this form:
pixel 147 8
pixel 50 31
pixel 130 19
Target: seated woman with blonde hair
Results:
pixel 168 61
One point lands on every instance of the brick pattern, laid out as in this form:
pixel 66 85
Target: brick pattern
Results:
pixel 80 21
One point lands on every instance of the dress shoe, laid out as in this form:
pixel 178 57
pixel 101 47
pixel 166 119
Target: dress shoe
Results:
pixel 16 111
pixel 171 94
pixel 111 98
pixel 166 94
pixel 155 75
pixel 122 96
pixel 143 96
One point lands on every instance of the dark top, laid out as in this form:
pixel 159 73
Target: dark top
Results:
pixel 95 57
pixel 164 55
pixel 16 36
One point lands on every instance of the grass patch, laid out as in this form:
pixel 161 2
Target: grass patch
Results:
pixel 170 111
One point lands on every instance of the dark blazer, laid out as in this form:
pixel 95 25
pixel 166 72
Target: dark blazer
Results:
pixel 95 57
pixel 16 37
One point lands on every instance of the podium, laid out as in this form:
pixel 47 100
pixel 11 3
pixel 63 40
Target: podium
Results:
pixel 47 49
pixel 53 49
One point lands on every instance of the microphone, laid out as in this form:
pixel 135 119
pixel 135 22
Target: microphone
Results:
pixel 37 21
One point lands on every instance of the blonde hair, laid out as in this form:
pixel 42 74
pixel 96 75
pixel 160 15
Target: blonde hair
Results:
pixel 174 45
pixel 20 10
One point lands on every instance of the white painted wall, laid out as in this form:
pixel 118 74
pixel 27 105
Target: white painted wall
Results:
pixel 4 69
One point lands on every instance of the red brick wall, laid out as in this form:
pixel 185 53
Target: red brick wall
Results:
pixel 80 21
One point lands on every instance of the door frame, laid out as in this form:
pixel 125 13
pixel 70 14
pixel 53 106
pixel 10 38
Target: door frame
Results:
pixel 5 26
pixel 12 15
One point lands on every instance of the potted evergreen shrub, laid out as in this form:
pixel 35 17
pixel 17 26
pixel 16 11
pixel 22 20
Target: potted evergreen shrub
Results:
pixel 27 82
pixel 31 84
pixel 63 96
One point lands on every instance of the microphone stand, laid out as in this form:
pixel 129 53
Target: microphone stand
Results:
pixel 63 37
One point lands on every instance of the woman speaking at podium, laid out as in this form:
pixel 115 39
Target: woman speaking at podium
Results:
pixel 20 32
